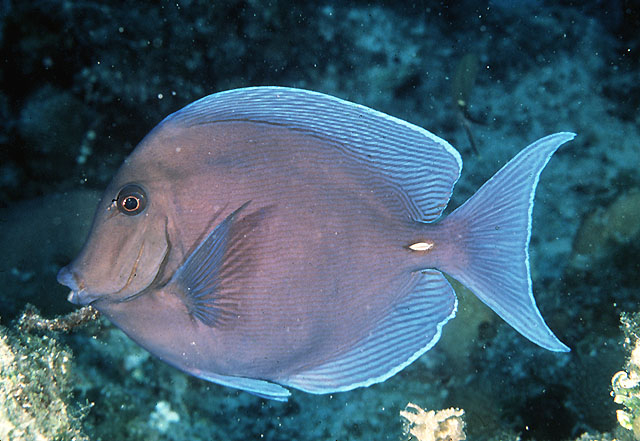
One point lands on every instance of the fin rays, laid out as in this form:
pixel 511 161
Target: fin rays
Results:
pixel 410 329
pixel 495 224
pixel 199 278
pixel 406 154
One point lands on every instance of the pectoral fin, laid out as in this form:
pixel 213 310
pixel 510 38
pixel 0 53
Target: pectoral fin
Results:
pixel 199 279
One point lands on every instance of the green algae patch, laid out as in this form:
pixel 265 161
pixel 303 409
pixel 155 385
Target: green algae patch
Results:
pixel 606 229
pixel 36 401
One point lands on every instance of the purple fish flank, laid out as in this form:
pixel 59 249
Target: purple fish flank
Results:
pixel 268 237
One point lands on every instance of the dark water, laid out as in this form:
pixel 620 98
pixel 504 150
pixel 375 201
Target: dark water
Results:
pixel 83 82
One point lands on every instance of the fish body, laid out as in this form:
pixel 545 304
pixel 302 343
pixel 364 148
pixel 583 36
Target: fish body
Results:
pixel 265 238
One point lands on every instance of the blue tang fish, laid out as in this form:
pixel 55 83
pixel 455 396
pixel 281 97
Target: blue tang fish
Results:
pixel 268 238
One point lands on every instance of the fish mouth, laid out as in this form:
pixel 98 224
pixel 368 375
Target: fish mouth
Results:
pixel 77 295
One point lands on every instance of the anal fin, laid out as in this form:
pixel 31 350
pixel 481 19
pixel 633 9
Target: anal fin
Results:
pixel 261 388
pixel 410 329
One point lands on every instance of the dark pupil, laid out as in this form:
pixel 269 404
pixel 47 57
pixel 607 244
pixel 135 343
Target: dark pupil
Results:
pixel 130 203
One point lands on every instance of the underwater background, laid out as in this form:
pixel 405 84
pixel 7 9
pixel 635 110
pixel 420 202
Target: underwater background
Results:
pixel 81 82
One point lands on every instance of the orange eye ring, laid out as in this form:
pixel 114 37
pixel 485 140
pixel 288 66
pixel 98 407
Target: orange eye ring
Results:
pixel 131 203
pixel 131 200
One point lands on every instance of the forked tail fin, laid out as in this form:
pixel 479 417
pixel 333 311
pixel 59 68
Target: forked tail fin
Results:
pixel 493 229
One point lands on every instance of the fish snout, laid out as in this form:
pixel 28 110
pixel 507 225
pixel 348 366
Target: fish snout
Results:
pixel 67 278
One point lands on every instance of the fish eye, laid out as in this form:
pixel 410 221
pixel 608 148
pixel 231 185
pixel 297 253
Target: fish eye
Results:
pixel 131 200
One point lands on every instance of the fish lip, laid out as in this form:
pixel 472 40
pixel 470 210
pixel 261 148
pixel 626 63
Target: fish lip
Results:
pixel 76 298
pixel 67 278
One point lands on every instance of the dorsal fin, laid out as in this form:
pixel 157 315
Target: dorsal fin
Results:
pixel 424 166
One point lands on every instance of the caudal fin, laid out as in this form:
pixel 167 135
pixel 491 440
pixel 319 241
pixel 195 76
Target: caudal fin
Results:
pixel 493 229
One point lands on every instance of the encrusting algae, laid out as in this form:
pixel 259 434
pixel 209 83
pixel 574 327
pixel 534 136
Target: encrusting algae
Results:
pixel 36 400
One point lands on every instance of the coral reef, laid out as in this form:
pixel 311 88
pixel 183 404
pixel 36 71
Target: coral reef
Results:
pixel 36 379
pixel 626 383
